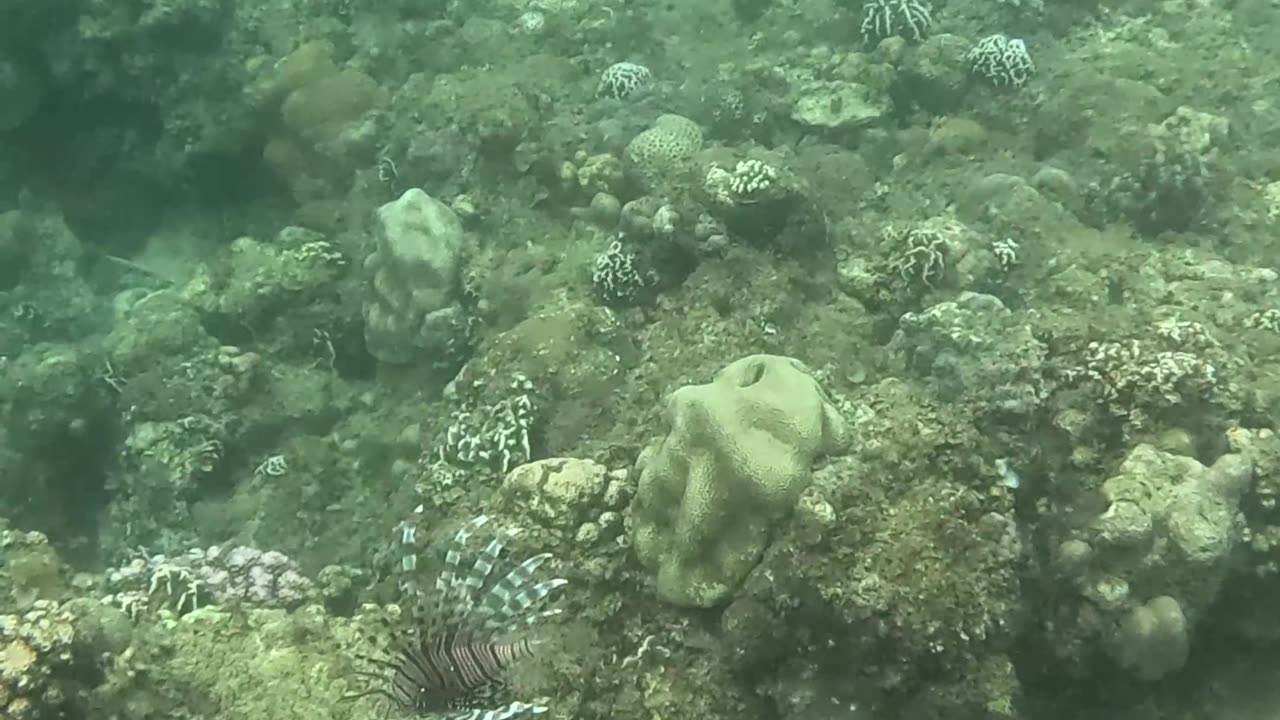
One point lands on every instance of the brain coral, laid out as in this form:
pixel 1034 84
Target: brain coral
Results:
pixel 664 150
pixel 737 457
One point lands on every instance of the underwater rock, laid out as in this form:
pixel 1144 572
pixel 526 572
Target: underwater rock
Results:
pixel 837 105
pixel 975 350
pixel 32 570
pixel 561 493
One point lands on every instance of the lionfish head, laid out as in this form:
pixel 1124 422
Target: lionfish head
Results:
pixel 453 655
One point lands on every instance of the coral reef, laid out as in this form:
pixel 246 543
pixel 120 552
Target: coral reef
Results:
pixel 289 291
pixel 204 576
pixel 1001 60
pixel 35 651
pixel 616 278
pixel 495 435
pixel 623 79
pixel 902 560
pixel 888 18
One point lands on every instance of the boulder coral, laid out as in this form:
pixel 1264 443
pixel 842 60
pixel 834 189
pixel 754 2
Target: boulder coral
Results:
pixel 411 311
pixel 737 457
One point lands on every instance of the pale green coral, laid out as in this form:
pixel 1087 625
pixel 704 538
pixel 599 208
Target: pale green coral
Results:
pixel 1153 640
pixel 737 457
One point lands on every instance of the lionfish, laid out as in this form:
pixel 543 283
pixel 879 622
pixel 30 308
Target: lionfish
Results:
pixel 453 657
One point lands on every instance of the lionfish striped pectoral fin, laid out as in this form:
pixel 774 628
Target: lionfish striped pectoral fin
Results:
pixel 452 661
pixel 512 710
pixel 508 602
pixel 452 598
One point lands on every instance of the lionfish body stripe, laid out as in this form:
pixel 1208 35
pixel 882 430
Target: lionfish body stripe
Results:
pixel 456 654
pixel 455 670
